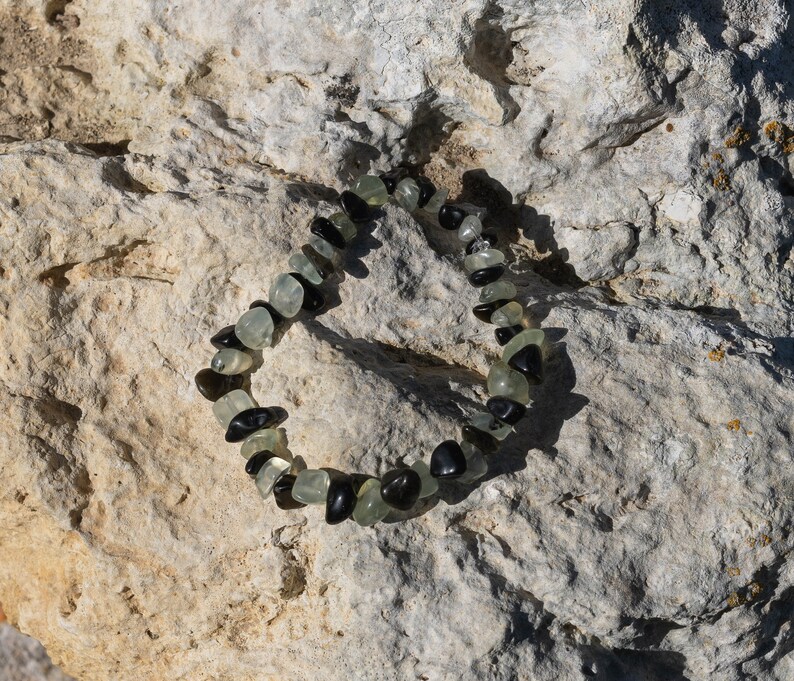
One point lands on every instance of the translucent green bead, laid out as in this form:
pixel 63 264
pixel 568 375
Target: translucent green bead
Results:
pixel 262 440
pixel 508 315
pixel 520 340
pixel 483 259
pixel 470 228
pixel 311 486
pixel 286 295
pixel 231 404
pixel 371 189
pixel 269 474
pixel 436 201
pixel 255 328
pixel 487 423
pixel 476 465
pixel 326 250
pixel 370 507
pixel 407 194
pixel 504 381
pixel 230 361
pixel 345 225
pixel 302 265
pixel 429 483
pixel 498 290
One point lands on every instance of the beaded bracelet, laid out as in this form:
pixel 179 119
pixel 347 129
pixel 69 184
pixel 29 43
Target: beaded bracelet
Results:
pixel 368 499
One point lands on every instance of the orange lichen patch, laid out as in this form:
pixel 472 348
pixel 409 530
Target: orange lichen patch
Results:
pixel 733 572
pixel 717 355
pixel 669 127
pixel 736 599
pixel 739 137
pixel 765 540
pixel 788 146
pixel 722 181
pixel 718 157
pixel 775 131
pixel 755 588
pixel 734 425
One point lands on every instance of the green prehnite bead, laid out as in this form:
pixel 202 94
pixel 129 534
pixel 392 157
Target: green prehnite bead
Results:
pixel 520 340
pixel 261 440
pixel 231 404
pixel 429 483
pixel 407 194
pixel 255 328
pixel 470 228
pixel 436 201
pixel 370 507
pixel 486 422
pixel 302 265
pixel 326 250
pixel 476 465
pixel 499 290
pixel 486 258
pixel 504 381
pixel 345 225
pixel 311 487
pixel 229 361
pixel 286 295
pixel 371 189
pixel 269 474
pixel 508 315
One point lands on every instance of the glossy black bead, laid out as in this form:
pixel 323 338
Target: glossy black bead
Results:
pixel 483 311
pixel 505 333
pixel 278 320
pixel 400 488
pixel 426 191
pixel 213 385
pixel 392 178
pixel 251 420
pixel 226 338
pixel 282 490
pixel 327 230
pixel 490 237
pixel 341 498
pixel 450 217
pixel 485 442
pixel 354 206
pixel 487 275
pixel 255 463
pixel 447 460
pixel 322 264
pixel 529 361
pixel 313 300
pixel 506 410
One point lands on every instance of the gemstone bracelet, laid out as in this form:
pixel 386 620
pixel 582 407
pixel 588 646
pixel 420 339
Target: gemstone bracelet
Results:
pixel 368 499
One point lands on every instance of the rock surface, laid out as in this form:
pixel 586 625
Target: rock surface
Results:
pixel 159 163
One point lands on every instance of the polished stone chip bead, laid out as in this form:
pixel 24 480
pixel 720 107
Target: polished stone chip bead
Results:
pixel 392 178
pixel 327 230
pixel 231 361
pixel 486 422
pixel 510 314
pixel 486 276
pixel 436 201
pixel 450 217
pixel 286 295
pixel 264 438
pixel 228 406
pixel 447 460
pixel 325 249
pixel 476 465
pixel 507 382
pixel 341 499
pixel 426 191
pixel 400 488
pixel 313 300
pixel 499 290
pixel 251 420
pixel 506 410
pixel 506 333
pixel 226 338
pixel 485 442
pixel 484 311
pixel 323 265
pixel 301 263
pixel 259 459
pixel 213 385
pixel 485 240
pixel 345 226
pixel 429 483
pixel 354 206
pixel 481 259
pixel 255 328
pixel 370 506
pixel 372 189
pixel 278 320
pixel 529 361
pixel 470 228
pixel 270 473
pixel 282 491
pixel 407 194
pixel 521 339
pixel 311 486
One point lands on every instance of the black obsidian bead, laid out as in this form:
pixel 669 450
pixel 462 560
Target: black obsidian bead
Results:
pixel 313 300
pixel 251 420
pixel 278 320
pixel 392 178
pixel 282 490
pixel 426 191
pixel 506 410
pixel 327 230
pixel 213 385
pixel 341 498
pixel 400 488
pixel 226 338
pixel 485 442
pixel 322 264
pixel 450 217
pixel 256 462
pixel 529 361
pixel 354 206
pixel 490 237
pixel 487 275
pixel 447 460
pixel 505 333
pixel 483 311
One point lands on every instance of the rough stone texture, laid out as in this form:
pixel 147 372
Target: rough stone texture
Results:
pixel 23 659
pixel 159 163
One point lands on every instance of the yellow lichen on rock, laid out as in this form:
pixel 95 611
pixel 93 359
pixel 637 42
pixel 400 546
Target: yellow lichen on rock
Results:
pixel 739 137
